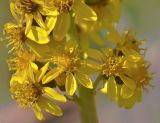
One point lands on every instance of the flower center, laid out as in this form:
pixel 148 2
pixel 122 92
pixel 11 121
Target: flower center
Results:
pixel 64 6
pixel 15 33
pixel 68 61
pixel 21 61
pixel 26 6
pixel 112 66
pixel 25 94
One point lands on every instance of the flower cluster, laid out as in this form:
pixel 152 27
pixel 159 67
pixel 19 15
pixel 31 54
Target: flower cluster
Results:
pixel 58 45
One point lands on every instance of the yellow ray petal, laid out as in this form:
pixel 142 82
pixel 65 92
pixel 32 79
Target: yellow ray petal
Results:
pixel 13 11
pixel 111 88
pixel 130 83
pixel 54 94
pixel 71 84
pixel 29 19
pixel 37 111
pixel 90 67
pixel 126 92
pixel 41 72
pixel 50 23
pixel 62 26
pixel 84 80
pixel 38 35
pixel 34 66
pixel 38 18
pixel 50 107
pixel 82 11
pixel 51 75
pixel 93 53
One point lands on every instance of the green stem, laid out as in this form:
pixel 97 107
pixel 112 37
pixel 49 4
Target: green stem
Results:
pixel 87 107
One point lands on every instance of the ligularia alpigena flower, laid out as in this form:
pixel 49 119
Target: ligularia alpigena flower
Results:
pixel 71 66
pixel 30 93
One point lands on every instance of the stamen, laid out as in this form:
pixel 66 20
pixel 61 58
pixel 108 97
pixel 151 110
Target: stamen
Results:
pixel 26 6
pixel 112 66
pixel 64 6
pixel 25 94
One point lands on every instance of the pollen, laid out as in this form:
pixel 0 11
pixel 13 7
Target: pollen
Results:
pixel 68 61
pixel 64 6
pixel 26 6
pixel 112 66
pixel 26 93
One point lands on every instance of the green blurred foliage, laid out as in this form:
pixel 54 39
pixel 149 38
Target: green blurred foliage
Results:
pixel 143 16
pixel 4 74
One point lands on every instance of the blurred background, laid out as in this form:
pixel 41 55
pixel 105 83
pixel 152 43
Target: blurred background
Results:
pixel 143 17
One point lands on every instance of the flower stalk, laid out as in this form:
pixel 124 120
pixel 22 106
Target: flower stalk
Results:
pixel 87 105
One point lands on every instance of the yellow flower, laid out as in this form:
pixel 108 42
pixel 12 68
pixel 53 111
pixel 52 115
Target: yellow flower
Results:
pixel 23 63
pixel 67 9
pixel 129 41
pixel 142 78
pixel 116 68
pixel 108 15
pixel 32 93
pixel 71 68
pixel 16 34
pixel 29 10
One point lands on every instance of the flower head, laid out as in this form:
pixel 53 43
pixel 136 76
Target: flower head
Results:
pixel 67 9
pixel 29 10
pixel 63 6
pixel 72 68
pixel 31 93
pixel 16 35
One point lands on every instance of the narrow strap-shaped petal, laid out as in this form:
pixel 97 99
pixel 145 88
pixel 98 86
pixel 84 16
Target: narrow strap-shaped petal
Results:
pixel 132 55
pixel 34 66
pixel 37 111
pixel 126 92
pixel 89 67
pixel 112 88
pixel 42 72
pixel 130 83
pixel 38 18
pixel 13 11
pixel 84 80
pixel 51 75
pixel 54 94
pixel 29 19
pixel 50 107
pixel 82 11
pixel 71 84
pixel 50 22
pixel 93 53
pixel 62 26
pixel 38 35
pixel 113 35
